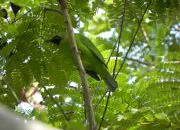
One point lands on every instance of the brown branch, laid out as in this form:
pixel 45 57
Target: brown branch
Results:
pixel 72 42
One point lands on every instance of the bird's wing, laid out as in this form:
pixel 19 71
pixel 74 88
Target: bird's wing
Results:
pixel 86 42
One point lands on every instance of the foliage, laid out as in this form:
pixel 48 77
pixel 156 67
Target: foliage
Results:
pixel 148 93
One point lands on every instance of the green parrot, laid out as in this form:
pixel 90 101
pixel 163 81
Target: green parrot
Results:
pixel 91 57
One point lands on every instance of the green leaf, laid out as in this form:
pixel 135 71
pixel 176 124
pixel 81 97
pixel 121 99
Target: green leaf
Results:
pixel 75 125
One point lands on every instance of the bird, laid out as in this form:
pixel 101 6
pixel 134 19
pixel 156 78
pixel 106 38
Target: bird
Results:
pixel 91 57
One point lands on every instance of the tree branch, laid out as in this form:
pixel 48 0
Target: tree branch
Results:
pixel 72 42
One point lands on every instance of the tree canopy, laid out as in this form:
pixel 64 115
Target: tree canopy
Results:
pixel 139 40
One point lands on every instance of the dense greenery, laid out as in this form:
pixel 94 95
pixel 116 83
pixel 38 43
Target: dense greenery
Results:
pixel 148 76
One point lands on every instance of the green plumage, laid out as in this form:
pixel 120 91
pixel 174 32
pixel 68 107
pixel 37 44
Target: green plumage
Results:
pixel 92 59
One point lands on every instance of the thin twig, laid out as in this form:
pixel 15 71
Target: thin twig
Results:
pixel 114 47
pixel 121 64
pixel 82 73
pixel 145 34
pixel 96 89
pixel 119 38
pixel 139 61
pixel 85 111
pixel 42 24
pixel 56 102
pixel 45 9
pixel 21 16
pixel 12 91
pixel 51 9
pixel 99 101
pixel 15 96
pixel 114 69
pixel 104 113
pixel 130 46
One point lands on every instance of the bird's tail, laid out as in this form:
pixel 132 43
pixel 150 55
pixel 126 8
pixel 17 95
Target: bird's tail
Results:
pixel 110 81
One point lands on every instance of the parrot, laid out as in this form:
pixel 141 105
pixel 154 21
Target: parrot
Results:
pixel 91 57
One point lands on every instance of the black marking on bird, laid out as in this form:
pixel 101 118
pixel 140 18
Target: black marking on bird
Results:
pixel 93 74
pixel 5 14
pixel 15 8
pixel 56 40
